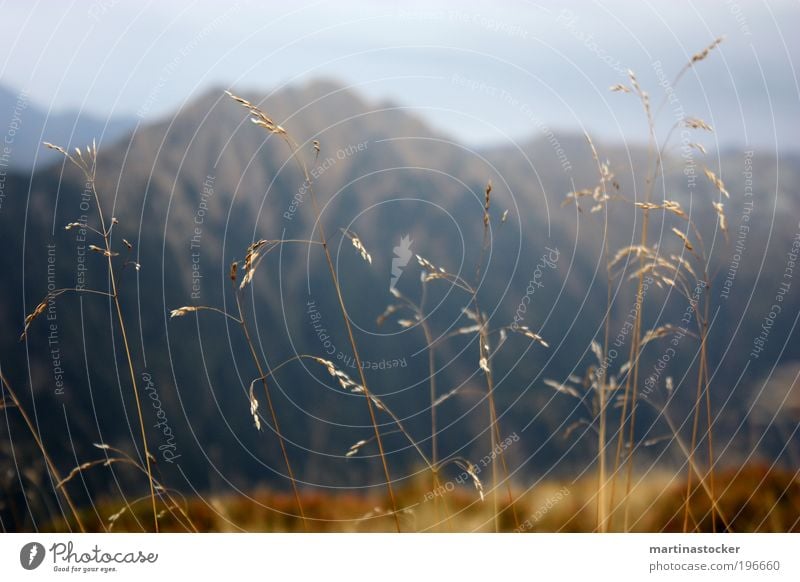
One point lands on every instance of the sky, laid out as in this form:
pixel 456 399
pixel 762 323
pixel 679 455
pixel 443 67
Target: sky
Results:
pixel 481 72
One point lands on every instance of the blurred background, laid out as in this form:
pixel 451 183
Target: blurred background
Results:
pixel 416 106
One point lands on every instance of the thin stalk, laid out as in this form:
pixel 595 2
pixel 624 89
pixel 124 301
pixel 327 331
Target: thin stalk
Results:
pixel 263 121
pixel 632 427
pixel 357 356
pixel 495 429
pixel 695 423
pixel 629 381
pixel 494 424
pixel 693 467
pixel 493 434
pixel 432 385
pixel 125 458
pixel 431 374
pixel 602 515
pixel 486 356
pixel 504 466
pixel 121 323
pixel 88 166
pixel 419 311
pixel 631 391
pixel 350 335
pixel 710 422
pixel 37 438
pixel 638 324
pixel 631 387
pixel 703 389
pixel 602 510
pixel 270 407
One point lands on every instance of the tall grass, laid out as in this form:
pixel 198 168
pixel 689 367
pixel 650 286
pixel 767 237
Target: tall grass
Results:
pixel 51 466
pixel 601 390
pixel 479 327
pixel 684 273
pixel 263 121
pixel 86 162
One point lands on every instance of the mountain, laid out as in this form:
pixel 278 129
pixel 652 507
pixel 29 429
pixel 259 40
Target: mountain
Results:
pixel 193 191
pixel 25 125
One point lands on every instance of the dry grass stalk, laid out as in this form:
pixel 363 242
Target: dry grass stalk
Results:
pixel 527 332
pixel 261 119
pixel 697 123
pixel 697 57
pixel 250 266
pixel 681 235
pixel 181 311
pixel 487 203
pixel 723 223
pixel 6 387
pixel 472 471
pixel 124 458
pixel 87 164
pixel 718 184
pixel 675 279
pixel 254 408
pixel 358 245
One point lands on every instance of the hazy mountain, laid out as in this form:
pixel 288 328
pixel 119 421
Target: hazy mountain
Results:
pixel 193 191
pixel 25 125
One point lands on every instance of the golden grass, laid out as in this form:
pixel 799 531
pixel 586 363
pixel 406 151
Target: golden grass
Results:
pixel 756 497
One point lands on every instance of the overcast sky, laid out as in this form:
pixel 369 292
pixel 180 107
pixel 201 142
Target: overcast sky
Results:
pixel 479 72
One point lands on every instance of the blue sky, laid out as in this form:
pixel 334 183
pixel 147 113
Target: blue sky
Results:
pixel 483 72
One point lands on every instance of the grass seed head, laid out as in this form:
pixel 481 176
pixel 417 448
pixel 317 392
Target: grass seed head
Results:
pixel 697 123
pixel 718 183
pixel 681 235
pixel 254 408
pixel 33 315
pixel 359 246
pixel 181 311
pixel 697 57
